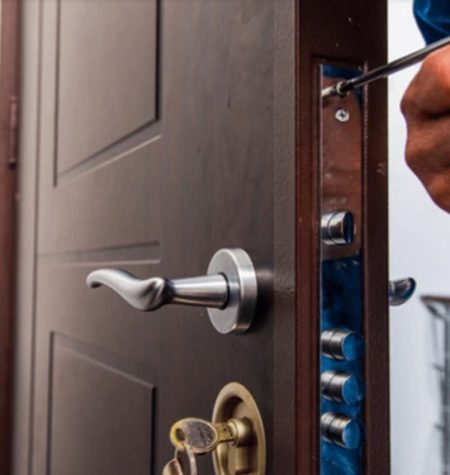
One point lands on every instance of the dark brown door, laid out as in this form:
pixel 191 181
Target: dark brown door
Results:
pixel 149 143
pixel 154 133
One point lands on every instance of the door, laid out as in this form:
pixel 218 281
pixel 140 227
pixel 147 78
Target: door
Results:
pixel 149 143
pixel 153 134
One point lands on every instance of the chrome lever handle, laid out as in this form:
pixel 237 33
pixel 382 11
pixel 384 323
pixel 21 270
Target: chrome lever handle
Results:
pixel 150 294
pixel 400 291
pixel 228 291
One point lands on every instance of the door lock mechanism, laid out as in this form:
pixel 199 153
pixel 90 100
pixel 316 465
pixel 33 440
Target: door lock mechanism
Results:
pixel 235 436
pixel 204 437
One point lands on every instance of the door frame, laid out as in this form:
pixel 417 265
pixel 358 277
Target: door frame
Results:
pixel 363 40
pixel 9 93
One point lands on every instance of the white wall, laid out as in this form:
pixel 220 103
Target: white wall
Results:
pixel 419 247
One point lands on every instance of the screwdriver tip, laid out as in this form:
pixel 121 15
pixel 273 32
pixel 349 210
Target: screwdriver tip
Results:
pixel 339 89
pixel 329 91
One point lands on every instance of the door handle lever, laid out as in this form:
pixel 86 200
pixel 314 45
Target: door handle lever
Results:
pixel 150 294
pixel 400 291
pixel 228 291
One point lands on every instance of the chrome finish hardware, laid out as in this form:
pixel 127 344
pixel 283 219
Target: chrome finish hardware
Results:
pixel 340 430
pixel 341 387
pixel 342 115
pixel 229 291
pixel 337 228
pixel 400 291
pixel 151 294
pixel 341 344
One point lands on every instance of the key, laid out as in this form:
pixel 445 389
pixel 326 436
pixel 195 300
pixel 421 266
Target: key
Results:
pixel 201 435
pixel 175 465
pixel 342 87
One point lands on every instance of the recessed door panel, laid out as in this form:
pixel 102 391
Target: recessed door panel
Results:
pixel 101 416
pixel 111 101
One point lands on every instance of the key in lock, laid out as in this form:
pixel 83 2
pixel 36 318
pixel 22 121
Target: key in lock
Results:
pixel 235 438
pixel 204 437
pixel 175 466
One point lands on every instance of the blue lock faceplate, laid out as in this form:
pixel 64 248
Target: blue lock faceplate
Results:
pixel 341 308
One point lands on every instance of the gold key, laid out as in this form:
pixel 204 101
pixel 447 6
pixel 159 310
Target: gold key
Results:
pixel 175 465
pixel 204 437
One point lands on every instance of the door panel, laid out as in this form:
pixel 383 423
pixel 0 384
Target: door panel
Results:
pixel 93 133
pixel 156 148
pixel 112 101
pixel 112 436
pixel 153 134
pixel 346 33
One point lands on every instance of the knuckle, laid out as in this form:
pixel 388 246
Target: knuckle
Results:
pixel 411 157
pixel 432 63
pixel 417 154
pixel 438 188
pixel 437 66
pixel 408 104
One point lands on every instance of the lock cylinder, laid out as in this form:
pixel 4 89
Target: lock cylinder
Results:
pixel 342 344
pixel 340 430
pixel 341 387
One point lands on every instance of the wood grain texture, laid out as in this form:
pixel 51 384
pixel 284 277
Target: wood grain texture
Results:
pixel 217 175
pixel 209 146
pixel 8 93
pixel 346 31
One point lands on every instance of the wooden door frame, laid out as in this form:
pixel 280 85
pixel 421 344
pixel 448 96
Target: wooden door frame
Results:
pixel 9 92
pixel 354 33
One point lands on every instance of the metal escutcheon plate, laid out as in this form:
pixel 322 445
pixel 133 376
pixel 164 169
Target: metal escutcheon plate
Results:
pixel 237 267
pixel 235 402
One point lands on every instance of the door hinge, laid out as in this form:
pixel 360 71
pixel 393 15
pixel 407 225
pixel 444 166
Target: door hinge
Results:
pixel 13 131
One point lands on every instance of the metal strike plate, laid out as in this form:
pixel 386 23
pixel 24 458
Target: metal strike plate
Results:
pixel 341 174
pixel 341 281
pixel 235 403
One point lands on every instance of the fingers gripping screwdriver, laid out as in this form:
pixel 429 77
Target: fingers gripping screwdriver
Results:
pixel 342 87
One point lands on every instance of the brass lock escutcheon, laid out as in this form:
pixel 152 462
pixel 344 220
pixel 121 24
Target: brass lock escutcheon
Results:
pixel 235 436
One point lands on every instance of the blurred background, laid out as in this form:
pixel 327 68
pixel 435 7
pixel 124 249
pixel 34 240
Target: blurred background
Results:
pixel 419 247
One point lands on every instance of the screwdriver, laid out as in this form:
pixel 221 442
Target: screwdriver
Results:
pixel 342 87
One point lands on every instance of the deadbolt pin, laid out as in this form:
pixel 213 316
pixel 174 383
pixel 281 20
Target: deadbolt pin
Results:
pixel 337 228
pixel 341 387
pixel 341 344
pixel 340 430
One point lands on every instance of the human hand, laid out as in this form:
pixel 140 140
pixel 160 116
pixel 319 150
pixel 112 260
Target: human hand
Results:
pixel 426 107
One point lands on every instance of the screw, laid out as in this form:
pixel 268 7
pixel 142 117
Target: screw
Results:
pixel 342 115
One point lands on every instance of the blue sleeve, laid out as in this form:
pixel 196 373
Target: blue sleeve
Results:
pixel 433 18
